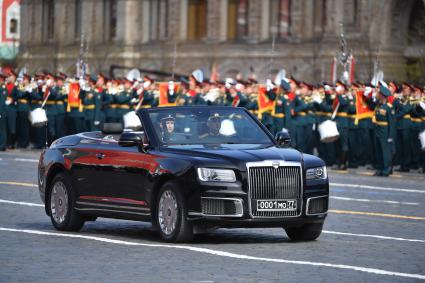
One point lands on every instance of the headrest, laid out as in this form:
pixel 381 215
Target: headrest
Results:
pixel 111 128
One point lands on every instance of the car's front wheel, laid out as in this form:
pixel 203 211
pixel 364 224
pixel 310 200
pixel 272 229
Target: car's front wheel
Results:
pixel 307 232
pixel 171 215
pixel 61 200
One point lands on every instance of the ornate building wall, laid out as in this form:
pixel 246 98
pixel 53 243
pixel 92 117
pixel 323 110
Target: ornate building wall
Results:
pixel 143 33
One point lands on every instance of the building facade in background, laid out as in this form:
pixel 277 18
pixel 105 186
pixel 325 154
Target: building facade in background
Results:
pixel 235 35
pixel 9 28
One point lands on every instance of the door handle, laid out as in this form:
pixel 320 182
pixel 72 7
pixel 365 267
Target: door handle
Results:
pixel 100 155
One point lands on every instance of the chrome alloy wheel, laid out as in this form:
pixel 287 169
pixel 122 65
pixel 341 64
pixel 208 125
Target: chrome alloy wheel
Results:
pixel 168 212
pixel 59 202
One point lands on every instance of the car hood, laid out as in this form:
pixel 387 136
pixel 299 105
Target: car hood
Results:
pixel 225 157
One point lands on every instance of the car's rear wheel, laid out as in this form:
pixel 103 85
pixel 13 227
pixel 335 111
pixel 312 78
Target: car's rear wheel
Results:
pixel 171 215
pixel 61 200
pixel 307 232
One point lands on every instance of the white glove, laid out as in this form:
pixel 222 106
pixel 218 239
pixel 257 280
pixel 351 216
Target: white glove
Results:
pixel 389 140
pixel 134 100
pixel 367 91
pixel 96 123
pixel 0 116
pixel 422 104
pixel 269 85
pixel 317 99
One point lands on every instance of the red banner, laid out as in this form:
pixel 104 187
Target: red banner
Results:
pixel 264 103
pixel 362 109
pixel 163 94
pixel 74 97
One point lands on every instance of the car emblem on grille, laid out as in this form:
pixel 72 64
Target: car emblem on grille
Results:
pixel 275 164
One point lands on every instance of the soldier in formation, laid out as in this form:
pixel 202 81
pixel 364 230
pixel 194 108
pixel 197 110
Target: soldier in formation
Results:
pixel 378 125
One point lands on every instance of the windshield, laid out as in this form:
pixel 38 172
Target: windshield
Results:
pixel 206 125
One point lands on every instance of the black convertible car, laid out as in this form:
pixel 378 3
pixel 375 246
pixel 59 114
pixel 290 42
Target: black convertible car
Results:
pixel 186 170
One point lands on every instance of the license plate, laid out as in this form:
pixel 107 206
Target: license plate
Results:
pixel 277 205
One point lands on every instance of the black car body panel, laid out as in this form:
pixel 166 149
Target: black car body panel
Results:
pixel 122 182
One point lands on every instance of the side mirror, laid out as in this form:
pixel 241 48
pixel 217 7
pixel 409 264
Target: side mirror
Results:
pixel 138 139
pixel 128 139
pixel 283 138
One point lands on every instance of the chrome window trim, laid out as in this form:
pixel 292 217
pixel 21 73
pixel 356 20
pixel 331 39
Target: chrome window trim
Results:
pixel 272 163
pixel 308 203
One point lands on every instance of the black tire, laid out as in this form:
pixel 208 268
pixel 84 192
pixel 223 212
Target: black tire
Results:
pixel 72 220
pixel 183 231
pixel 307 232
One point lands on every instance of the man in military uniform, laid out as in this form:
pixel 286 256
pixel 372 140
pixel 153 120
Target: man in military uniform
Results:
pixel 11 101
pixel 60 94
pixel 214 125
pixel 279 105
pixel 167 125
pixel 416 126
pixel 36 96
pixel 384 132
pixel 3 120
pixel 108 102
pixel 23 108
pixel 50 107
pixel 123 100
pixel 354 140
pixel 91 105
pixel 323 105
pixel 341 101
pixel 402 108
pixel 303 120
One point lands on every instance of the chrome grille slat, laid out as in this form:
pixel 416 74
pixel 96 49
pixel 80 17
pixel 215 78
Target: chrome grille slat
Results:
pixel 267 182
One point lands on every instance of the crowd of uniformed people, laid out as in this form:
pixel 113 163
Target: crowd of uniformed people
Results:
pixel 378 126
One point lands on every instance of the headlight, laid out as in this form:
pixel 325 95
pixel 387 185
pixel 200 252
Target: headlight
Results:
pixel 220 175
pixel 318 173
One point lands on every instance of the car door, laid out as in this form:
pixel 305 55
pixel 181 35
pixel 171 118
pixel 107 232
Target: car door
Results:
pixel 119 177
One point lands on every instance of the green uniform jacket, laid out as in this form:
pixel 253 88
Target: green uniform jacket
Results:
pixel 384 121
pixel 23 100
pixel 123 101
pixel 3 94
pixel 60 96
pixel 342 114
pixel 351 111
pixel 301 108
pixel 50 105
pixel 36 98
pixel 402 114
pixel 91 105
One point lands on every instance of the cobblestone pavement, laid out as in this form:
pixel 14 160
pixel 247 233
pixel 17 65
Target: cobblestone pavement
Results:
pixel 375 231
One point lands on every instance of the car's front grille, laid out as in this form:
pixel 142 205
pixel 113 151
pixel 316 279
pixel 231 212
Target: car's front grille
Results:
pixel 269 183
pixel 317 205
pixel 221 207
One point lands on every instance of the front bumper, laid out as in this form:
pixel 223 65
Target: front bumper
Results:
pixel 235 191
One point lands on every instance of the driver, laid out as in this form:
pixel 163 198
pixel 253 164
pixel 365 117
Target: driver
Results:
pixel 167 127
pixel 214 125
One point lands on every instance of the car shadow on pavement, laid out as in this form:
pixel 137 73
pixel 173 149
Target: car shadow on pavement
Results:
pixel 143 231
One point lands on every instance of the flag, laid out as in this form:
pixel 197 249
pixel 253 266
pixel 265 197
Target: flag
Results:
pixel 264 103
pixel 163 94
pixel 74 97
pixel 362 109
